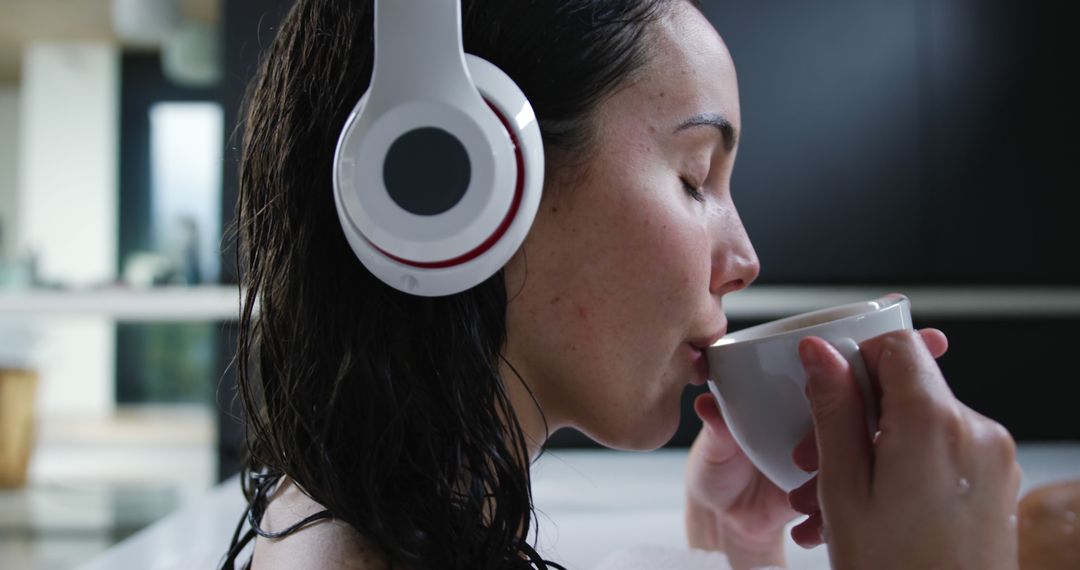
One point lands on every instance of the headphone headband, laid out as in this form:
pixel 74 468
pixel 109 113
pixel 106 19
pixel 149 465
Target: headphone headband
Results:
pixel 419 51
pixel 439 168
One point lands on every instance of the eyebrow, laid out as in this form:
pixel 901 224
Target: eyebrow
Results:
pixel 721 123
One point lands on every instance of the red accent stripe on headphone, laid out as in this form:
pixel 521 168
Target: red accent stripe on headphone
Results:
pixel 519 190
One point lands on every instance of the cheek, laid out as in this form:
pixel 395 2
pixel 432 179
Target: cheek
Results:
pixel 643 303
pixel 610 296
pixel 669 252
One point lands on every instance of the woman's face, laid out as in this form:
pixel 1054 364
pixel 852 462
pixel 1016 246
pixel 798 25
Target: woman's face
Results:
pixel 620 281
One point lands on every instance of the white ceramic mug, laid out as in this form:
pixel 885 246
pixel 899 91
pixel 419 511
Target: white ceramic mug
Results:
pixel 759 381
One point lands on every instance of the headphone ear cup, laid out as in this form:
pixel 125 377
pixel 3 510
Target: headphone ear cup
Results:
pixel 517 116
pixel 440 251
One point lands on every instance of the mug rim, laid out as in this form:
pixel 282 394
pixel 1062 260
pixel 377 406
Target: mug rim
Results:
pixel 862 308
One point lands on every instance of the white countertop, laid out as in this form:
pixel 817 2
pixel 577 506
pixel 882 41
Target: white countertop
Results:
pixel 590 504
pixel 222 302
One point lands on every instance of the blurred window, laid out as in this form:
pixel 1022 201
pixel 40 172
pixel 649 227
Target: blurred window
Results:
pixel 185 181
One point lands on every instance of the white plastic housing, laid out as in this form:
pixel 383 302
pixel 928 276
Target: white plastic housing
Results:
pixel 434 84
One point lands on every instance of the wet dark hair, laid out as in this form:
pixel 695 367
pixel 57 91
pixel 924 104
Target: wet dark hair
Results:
pixel 389 409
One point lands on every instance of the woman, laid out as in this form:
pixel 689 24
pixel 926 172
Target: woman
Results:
pixel 396 431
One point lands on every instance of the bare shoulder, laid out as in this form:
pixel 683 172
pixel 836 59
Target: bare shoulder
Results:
pixel 329 543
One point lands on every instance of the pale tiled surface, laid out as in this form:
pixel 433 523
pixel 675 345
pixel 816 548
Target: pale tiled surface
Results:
pixel 591 504
pixel 95 482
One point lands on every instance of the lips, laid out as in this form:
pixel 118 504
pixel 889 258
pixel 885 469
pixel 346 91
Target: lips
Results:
pixel 697 347
pixel 701 367
pixel 703 342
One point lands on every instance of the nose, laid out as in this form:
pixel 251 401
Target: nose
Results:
pixel 734 262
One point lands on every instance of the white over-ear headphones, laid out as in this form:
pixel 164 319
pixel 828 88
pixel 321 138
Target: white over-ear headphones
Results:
pixel 439 168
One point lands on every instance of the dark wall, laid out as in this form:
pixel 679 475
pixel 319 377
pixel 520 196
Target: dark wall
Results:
pixel 908 141
pixel 249 26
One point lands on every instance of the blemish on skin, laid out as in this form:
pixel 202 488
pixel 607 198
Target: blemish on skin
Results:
pixel 555 300
pixel 583 313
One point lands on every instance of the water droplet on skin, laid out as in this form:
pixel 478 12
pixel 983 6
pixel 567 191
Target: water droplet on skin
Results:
pixel 1012 521
pixel 823 533
pixel 964 485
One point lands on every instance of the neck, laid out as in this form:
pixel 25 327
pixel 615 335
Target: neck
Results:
pixel 527 409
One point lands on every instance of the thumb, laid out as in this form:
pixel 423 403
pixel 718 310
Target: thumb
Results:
pixel 839 421
pixel 720 446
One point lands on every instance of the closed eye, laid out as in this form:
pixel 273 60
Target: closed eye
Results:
pixel 694 191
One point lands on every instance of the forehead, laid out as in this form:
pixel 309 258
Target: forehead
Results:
pixel 689 71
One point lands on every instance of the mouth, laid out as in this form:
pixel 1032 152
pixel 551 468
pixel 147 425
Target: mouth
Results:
pixel 703 342
pixel 701 367
pixel 697 348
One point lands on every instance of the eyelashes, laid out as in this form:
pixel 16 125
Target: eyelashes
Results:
pixel 694 191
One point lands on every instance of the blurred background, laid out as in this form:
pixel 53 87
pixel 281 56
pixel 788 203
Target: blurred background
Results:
pixel 921 146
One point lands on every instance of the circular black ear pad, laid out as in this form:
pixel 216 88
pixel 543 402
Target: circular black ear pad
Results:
pixel 427 171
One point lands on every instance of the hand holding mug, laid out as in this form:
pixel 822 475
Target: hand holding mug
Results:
pixel 760 384
pixel 937 488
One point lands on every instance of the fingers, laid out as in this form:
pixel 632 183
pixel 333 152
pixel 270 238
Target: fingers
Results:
pixel 936 342
pixel 910 381
pixel 721 446
pixel 809 533
pixel 805 498
pixel 706 409
pixel 839 421
pixel 805 454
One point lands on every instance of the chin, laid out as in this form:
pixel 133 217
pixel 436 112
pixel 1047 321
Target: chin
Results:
pixel 644 432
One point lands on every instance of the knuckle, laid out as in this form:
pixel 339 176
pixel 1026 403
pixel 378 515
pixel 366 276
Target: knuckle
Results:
pixel 947 418
pixel 1016 477
pixel 998 442
pixel 938 421
pixel 952 422
pixel 825 406
pixel 901 338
